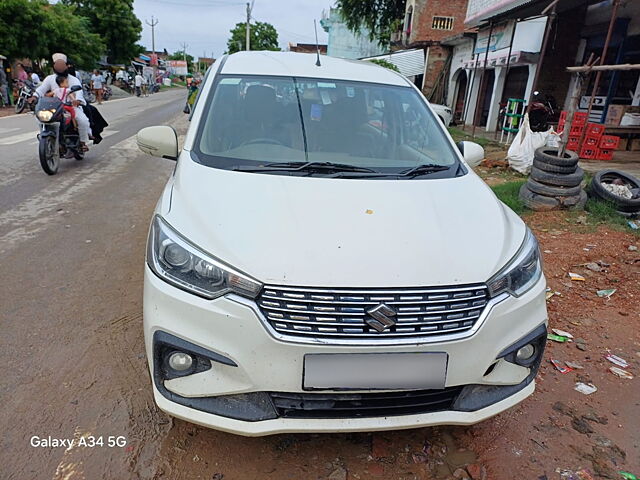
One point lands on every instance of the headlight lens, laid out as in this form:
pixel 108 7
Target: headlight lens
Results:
pixel 184 265
pixel 521 273
pixel 44 115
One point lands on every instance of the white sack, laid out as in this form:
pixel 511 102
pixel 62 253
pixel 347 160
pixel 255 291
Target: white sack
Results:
pixel 525 143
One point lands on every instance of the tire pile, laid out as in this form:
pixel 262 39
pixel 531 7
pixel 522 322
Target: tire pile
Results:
pixel 554 182
pixel 627 204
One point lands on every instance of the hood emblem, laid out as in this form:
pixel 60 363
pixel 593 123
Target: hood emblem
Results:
pixel 381 317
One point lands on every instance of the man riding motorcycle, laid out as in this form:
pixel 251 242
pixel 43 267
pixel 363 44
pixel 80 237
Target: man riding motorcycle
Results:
pixel 60 67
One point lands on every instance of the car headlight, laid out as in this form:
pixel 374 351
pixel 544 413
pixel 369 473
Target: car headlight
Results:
pixel 521 273
pixel 44 115
pixel 177 261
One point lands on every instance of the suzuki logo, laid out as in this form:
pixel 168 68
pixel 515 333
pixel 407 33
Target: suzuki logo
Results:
pixel 382 317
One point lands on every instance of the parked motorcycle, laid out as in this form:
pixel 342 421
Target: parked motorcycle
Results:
pixel 541 112
pixel 58 135
pixel 106 92
pixel 88 94
pixel 27 90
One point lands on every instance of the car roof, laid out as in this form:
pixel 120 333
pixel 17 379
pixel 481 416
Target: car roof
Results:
pixel 293 64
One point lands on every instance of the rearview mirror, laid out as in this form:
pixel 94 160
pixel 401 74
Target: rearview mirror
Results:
pixel 472 153
pixel 160 141
pixel 75 88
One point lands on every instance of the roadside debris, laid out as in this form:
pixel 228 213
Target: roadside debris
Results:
pixel 621 373
pixel 628 476
pixel 559 366
pixel 619 361
pixel 593 267
pixel 574 366
pixel 633 225
pixel 557 338
pixel 585 388
pixel 606 293
pixel 581 344
pixel 632 248
pixel 562 333
pixel 576 278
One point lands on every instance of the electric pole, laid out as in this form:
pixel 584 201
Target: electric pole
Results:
pixel 153 24
pixel 248 29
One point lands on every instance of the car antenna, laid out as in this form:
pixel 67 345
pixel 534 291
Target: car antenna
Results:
pixel 315 27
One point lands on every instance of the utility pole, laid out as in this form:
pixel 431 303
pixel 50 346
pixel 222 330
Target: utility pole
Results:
pixel 153 24
pixel 248 29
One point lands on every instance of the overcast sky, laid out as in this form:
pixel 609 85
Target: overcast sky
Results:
pixel 204 24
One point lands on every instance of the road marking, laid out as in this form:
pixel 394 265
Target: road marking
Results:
pixel 18 138
pixel 8 130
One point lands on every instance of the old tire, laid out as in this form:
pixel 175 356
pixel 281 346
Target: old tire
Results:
pixel 550 155
pixel 547 167
pixel 559 180
pixel 537 202
pixel 575 202
pixel 628 205
pixel 551 191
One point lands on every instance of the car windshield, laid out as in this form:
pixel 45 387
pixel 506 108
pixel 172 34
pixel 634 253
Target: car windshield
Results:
pixel 276 124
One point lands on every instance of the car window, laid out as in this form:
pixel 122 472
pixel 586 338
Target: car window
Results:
pixel 255 120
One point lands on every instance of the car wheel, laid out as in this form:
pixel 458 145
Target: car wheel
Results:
pixel 551 191
pixel 559 180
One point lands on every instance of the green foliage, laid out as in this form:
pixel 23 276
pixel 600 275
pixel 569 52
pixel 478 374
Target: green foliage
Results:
pixel 380 17
pixel 262 36
pixel 508 194
pixel 115 22
pixel 385 64
pixel 35 29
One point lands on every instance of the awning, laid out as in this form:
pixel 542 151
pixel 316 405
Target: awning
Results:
pixel 144 57
pixel 499 59
pixel 409 62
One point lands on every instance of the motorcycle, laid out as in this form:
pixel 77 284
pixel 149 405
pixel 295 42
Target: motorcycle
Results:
pixel 58 135
pixel 541 112
pixel 88 94
pixel 106 92
pixel 27 90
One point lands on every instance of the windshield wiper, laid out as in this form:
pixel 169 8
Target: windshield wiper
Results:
pixel 423 169
pixel 305 167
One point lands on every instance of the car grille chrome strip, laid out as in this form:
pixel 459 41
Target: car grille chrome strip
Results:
pixel 343 313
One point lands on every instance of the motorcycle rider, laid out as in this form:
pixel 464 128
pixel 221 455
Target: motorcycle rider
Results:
pixel 60 68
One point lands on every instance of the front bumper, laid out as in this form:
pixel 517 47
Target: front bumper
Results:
pixel 230 329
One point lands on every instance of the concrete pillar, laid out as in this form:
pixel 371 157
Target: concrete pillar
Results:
pixel 473 98
pixel 533 67
pixel 496 96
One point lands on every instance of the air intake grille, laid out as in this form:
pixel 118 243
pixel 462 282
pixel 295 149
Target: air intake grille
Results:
pixel 342 313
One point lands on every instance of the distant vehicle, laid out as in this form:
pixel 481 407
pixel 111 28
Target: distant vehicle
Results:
pixel 443 112
pixel 324 259
pixel 26 91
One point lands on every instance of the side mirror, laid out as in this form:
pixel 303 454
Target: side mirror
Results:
pixel 159 141
pixel 472 153
pixel 75 88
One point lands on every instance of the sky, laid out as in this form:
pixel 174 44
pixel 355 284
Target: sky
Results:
pixel 204 25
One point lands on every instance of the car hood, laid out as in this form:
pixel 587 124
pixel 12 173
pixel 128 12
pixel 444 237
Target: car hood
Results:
pixel 311 231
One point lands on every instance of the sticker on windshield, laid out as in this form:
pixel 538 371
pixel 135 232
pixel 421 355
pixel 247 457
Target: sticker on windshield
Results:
pixel 326 98
pixel 316 111
pixel 326 85
pixel 230 81
pixel 351 92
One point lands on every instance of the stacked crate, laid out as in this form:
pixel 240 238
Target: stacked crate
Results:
pixel 595 145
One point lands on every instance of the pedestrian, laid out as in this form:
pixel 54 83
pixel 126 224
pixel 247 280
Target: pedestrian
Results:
pixel 138 83
pixel 34 77
pixel 96 84
pixel 4 87
pixel 22 73
pixel 145 83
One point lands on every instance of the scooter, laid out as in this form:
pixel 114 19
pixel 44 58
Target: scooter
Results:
pixel 58 135
pixel 27 90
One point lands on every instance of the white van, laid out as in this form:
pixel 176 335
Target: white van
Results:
pixel 323 259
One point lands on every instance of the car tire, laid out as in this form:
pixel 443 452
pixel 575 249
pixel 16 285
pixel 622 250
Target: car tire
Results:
pixel 552 191
pixel 559 180
pixel 628 205
pixel 549 155
pixel 537 202
pixel 547 167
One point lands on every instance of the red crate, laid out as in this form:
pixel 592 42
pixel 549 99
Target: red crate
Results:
pixel 563 117
pixel 605 154
pixel 591 142
pixel 579 118
pixel 609 142
pixel 595 129
pixel 560 127
pixel 576 130
pixel 573 143
pixel 588 153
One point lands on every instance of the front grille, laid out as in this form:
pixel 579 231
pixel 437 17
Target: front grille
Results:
pixel 348 405
pixel 341 313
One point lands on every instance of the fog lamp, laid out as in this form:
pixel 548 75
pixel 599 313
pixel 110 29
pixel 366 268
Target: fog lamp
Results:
pixel 180 361
pixel 525 353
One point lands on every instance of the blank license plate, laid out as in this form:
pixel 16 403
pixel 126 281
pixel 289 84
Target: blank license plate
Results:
pixel 375 371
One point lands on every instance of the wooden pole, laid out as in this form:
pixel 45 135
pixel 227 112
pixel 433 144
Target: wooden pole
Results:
pixel 482 82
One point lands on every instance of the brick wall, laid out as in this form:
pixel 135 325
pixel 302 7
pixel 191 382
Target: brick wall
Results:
pixel 425 10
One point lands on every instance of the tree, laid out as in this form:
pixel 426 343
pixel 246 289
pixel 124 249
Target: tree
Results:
pixel 35 29
pixel 380 17
pixel 116 23
pixel 385 64
pixel 262 36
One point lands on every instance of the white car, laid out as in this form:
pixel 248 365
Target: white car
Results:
pixel 443 112
pixel 323 259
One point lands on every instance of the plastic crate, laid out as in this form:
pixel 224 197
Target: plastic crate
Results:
pixel 609 142
pixel 595 130
pixel 579 118
pixel 605 154
pixel 563 117
pixel 576 130
pixel 591 142
pixel 588 153
pixel 573 143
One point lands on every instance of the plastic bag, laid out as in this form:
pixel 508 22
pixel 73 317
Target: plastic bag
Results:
pixel 525 143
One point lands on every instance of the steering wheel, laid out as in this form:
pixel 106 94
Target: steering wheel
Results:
pixel 270 141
